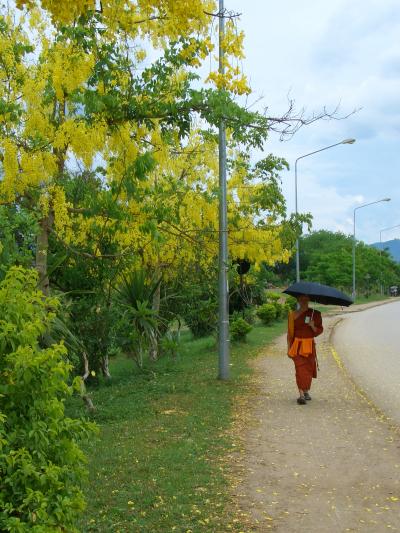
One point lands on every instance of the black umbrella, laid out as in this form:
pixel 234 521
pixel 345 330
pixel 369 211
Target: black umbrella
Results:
pixel 322 294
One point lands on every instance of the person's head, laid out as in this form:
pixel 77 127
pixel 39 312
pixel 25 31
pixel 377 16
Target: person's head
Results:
pixel 303 300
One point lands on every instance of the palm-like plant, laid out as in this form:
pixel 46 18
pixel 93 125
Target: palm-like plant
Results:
pixel 133 296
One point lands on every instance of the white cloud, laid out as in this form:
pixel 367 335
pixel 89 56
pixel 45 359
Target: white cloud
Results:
pixel 325 53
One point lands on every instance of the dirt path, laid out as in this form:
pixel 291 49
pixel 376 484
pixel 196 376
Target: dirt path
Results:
pixel 330 466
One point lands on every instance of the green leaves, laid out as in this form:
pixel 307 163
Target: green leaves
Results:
pixel 41 465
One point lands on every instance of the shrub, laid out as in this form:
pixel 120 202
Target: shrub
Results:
pixel 201 318
pixel 273 297
pixel 247 313
pixel 266 313
pixel 41 465
pixel 280 312
pixel 238 329
pixel 170 343
pixel 92 321
pixel 291 302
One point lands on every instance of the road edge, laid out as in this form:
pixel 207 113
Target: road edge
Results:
pixel 380 414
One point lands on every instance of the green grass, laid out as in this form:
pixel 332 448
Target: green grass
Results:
pixel 326 309
pixel 158 464
pixel 371 298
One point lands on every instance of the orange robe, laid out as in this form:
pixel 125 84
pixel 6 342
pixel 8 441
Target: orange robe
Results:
pixel 302 347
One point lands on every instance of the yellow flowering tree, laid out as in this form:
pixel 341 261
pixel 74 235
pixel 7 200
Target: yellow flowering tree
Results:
pixel 74 96
pixel 115 155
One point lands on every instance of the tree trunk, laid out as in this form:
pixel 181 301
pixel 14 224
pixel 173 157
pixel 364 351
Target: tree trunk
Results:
pixel 105 368
pixel 154 338
pixel 41 252
pixel 85 397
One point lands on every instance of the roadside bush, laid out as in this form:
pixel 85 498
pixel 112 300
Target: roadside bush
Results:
pixel 238 329
pixel 266 313
pixel 273 297
pixel 280 311
pixel 291 302
pixel 169 344
pixel 202 317
pixel 41 465
pixel 247 313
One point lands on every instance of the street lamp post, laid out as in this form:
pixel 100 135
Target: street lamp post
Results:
pixel 223 313
pixel 380 249
pixel 345 141
pixel 354 239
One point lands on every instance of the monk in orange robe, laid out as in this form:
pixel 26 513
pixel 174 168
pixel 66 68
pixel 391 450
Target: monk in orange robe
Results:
pixel 303 325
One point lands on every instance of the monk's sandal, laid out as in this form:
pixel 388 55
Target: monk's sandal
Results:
pixel 307 396
pixel 301 401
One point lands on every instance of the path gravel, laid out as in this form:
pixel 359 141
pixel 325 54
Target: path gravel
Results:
pixel 330 466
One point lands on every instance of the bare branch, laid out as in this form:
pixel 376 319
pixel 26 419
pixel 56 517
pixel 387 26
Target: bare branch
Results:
pixel 149 19
pixel 291 121
pixel 224 14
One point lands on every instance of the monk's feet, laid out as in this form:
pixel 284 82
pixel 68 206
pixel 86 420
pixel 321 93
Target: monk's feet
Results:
pixel 307 396
pixel 301 400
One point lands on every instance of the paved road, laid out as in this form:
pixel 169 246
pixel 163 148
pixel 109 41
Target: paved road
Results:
pixel 368 342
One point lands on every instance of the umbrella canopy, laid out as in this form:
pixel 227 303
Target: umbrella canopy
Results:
pixel 322 294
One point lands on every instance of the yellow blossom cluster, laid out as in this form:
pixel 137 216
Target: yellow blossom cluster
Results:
pixel 63 12
pixel 162 18
pixel 232 79
pixel 162 21
pixel 69 68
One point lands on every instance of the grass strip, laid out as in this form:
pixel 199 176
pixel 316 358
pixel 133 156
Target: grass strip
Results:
pixel 160 462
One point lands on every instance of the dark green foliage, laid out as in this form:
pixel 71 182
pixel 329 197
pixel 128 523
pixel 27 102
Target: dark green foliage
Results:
pixel 170 344
pixel 139 323
pixel 238 329
pixel 326 257
pixel 18 230
pixel 247 313
pixel 202 318
pixel 92 322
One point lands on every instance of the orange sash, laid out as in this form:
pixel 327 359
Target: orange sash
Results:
pixel 304 347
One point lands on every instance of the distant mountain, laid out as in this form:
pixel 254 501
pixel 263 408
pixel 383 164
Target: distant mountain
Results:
pixel 393 247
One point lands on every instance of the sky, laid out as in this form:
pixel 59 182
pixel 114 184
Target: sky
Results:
pixel 325 54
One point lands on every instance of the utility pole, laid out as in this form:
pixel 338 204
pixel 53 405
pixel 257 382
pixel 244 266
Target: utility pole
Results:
pixel 223 311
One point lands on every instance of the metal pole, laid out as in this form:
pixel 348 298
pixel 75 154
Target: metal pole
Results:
pixel 345 141
pixel 297 240
pixel 354 240
pixel 380 252
pixel 380 261
pixel 223 316
pixel 353 294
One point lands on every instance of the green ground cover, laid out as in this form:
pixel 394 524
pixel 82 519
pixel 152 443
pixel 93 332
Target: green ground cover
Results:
pixel 328 309
pixel 371 298
pixel 158 464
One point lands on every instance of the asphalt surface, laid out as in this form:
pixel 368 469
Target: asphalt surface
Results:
pixel 368 343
